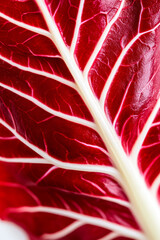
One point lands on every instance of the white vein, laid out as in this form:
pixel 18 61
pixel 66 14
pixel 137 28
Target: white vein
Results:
pixel 117 201
pixel 130 175
pixel 24 160
pixel 46 174
pixel 128 232
pixel 102 39
pixel 138 144
pixel 118 63
pixel 64 232
pixel 26 26
pixel 150 145
pixel 36 149
pixel 44 161
pixel 71 166
pixel 155 124
pixel 50 110
pixel 93 146
pixel 95 185
pixel 110 236
pixel 134 185
pixel 41 73
pixel 77 27
pixel 121 105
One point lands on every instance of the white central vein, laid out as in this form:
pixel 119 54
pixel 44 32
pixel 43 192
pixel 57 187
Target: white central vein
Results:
pixel 50 110
pixel 134 186
pixel 128 232
pixel 102 39
pixel 65 165
pixel 118 63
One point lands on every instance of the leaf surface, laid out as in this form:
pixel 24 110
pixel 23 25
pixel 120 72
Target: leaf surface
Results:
pixel 79 133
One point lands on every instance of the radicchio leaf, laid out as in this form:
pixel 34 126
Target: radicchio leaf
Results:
pixel 79 119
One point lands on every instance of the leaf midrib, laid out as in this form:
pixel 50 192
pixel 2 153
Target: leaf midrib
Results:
pixel 145 207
